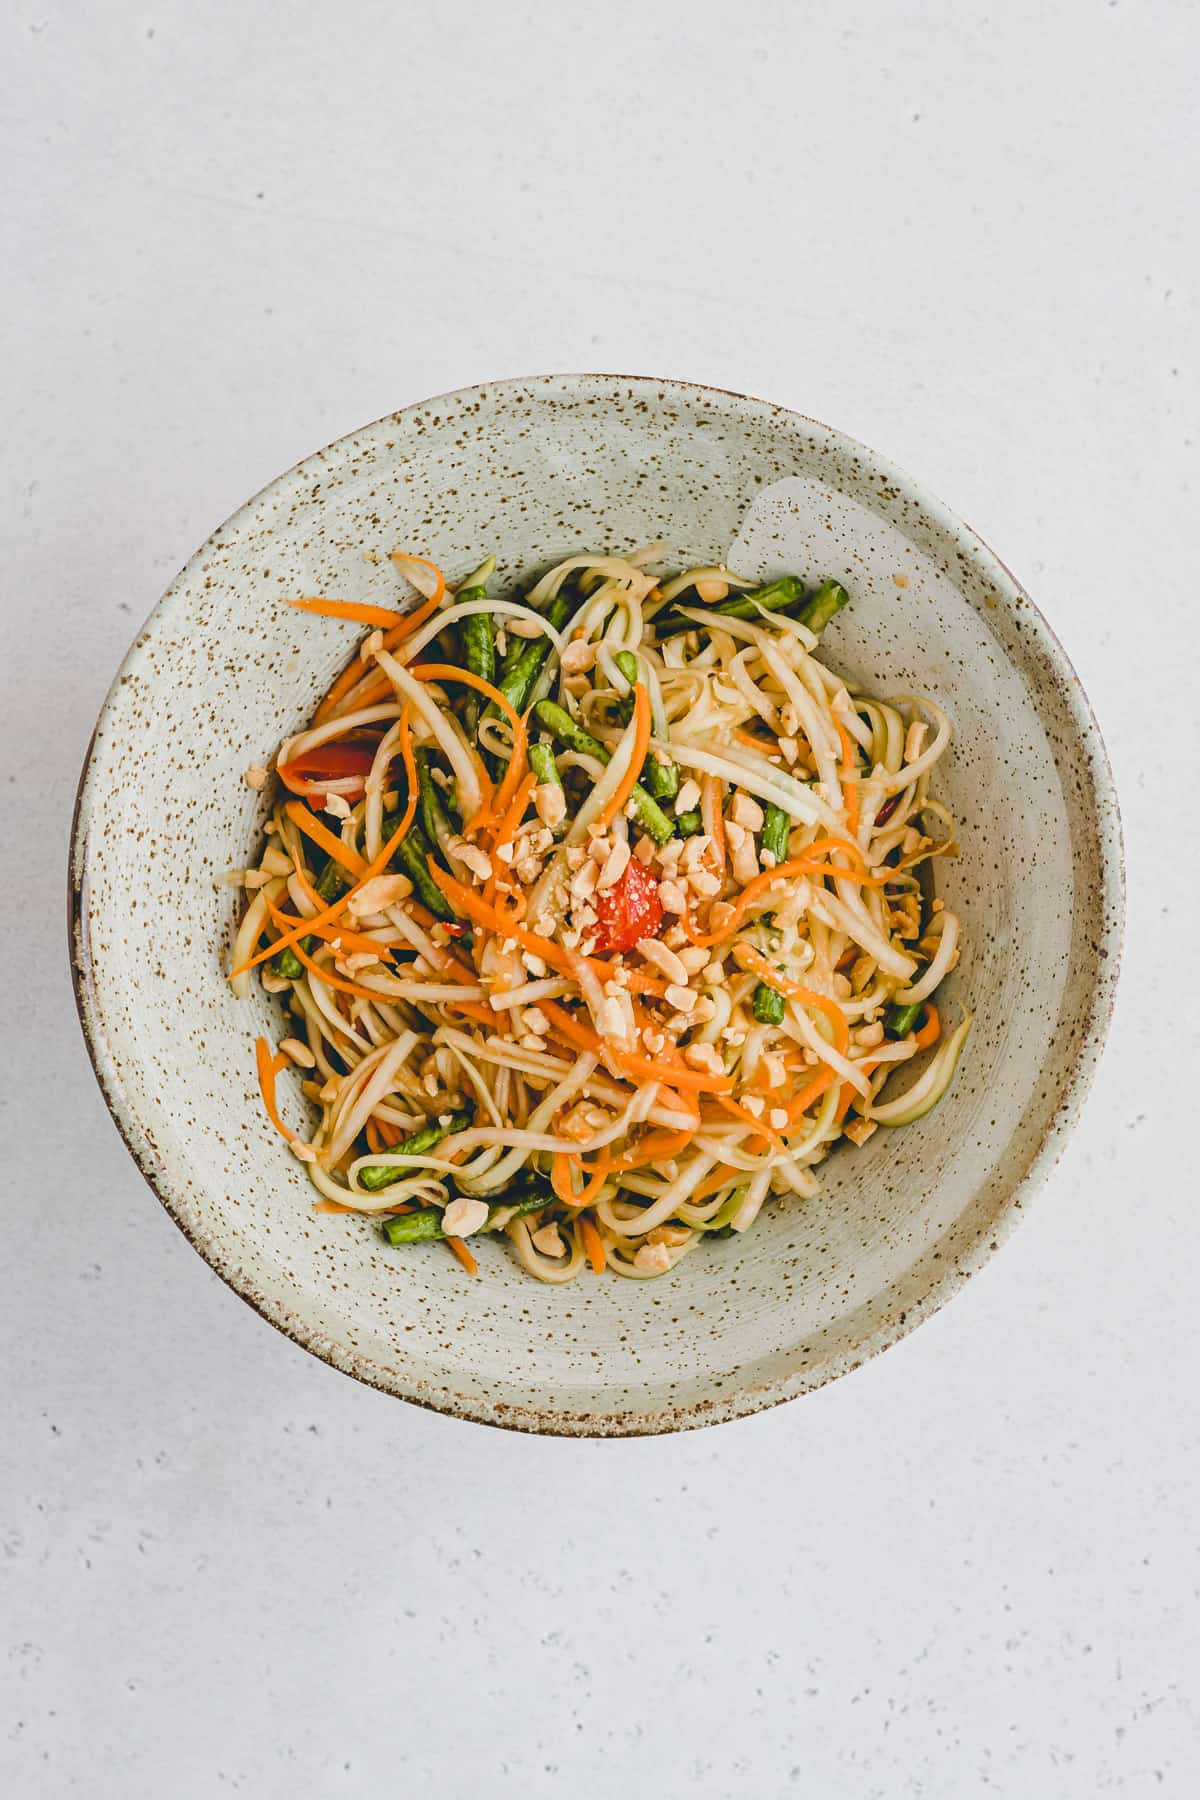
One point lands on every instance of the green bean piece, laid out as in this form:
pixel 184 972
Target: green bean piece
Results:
pixel 688 824
pixel 413 857
pixel 626 661
pixel 516 683
pixel 829 598
pixel 426 1226
pixel 435 820
pixel 776 826
pixel 662 779
pixel 562 726
pixel 477 635
pixel 414 1227
pixel 381 1175
pixel 898 1021
pixel 768 1005
pixel 287 964
pixel 544 766
pixel 776 596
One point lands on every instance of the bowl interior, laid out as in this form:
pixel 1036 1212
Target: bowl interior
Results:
pixel 535 471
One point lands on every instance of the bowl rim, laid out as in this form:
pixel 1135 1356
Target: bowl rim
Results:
pixel 1040 1161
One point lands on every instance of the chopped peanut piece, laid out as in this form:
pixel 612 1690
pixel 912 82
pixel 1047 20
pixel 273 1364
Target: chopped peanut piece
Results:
pixel 615 864
pixel 653 1256
pixel 666 961
pixel 550 804
pixel 746 811
pixel 378 894
pixel 299 1052
pixel 255 777
pixel 463 1216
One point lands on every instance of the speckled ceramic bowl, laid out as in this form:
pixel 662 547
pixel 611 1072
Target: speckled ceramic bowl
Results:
pixel 536 470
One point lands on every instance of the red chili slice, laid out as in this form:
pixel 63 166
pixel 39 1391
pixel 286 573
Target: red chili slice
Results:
pixel 629 911
pixel 347 764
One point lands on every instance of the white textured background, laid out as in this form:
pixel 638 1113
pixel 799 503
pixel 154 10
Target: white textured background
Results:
pixel 963 233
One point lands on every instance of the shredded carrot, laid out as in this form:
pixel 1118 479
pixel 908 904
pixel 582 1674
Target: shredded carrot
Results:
pixel 668 1072
pixel 641 744
pixel 931 1028
pixel 593 1243
pixel 594 1178
pixel 332 1206
pixel 506 830
pixel 268 1068
pixel 657 1146
pixel 351 609
pixel 337 907
pixel 800 1103
pixel 719 1177
pixel 799 865
pixel 311 826
pixel 374 1141
pixel 849 779
pixel 761 1128
pixel 712 796
pixel 512 778
pixel 767 972
pixel 464 1256
pixel 560 1178
pixel 376 686
pixel 315 969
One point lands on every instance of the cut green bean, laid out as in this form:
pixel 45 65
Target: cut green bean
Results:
pixel 626 661
pixel 381 1175
pixel 562 726
pixel 776 826
pixel 435 820
pixel 477 635
pixel 414 1227
pixel 829 598
pixel 661 779
pixel 425 1227
pixel 287 964
pixel 688 824
pixel 413 857
pixel 516 682
pixel 776 596
pixel 768 1005
pixel 545 767
pixel 898 1021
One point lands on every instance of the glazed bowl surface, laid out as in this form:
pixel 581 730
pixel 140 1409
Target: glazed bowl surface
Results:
pixel 536 470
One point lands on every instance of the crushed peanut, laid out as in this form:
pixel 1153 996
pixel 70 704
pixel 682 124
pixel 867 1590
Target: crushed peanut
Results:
pixel 550 804
pixel 615 864
pixel 703 1057
pixel 653 1256
pixel 548 1240
pixel 746 811
pixel 463 1216
pixel 299 1053
pixel 255 777
pixel 378 894
pixel 666 961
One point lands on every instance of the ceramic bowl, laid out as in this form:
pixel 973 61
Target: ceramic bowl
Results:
pixel 536 470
